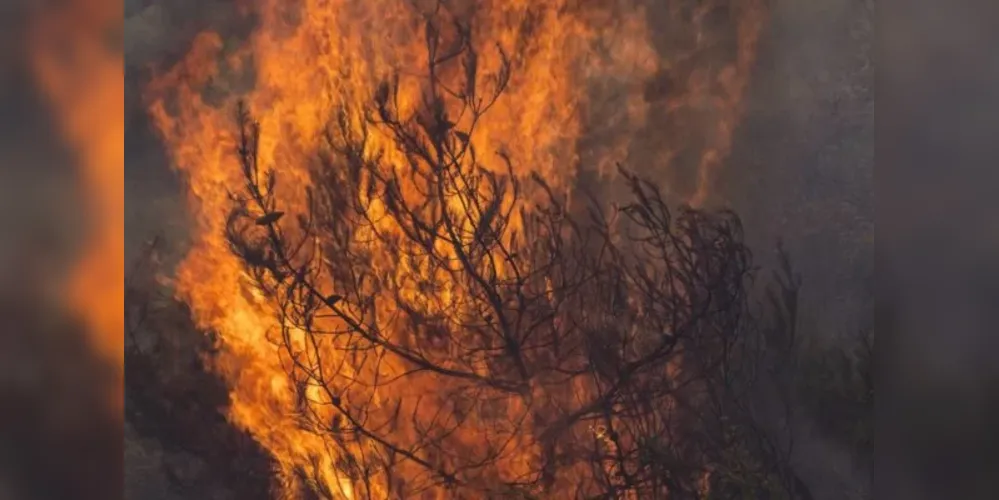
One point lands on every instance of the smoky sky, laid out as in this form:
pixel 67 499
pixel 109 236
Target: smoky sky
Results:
pixel 802 167
pixel 937 247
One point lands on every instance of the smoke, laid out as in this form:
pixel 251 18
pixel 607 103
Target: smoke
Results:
pixel 937 246
pixel 802 171
pixel 803 166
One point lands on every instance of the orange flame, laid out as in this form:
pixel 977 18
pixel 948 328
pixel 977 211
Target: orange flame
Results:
pixel 83 78
pixel 305 62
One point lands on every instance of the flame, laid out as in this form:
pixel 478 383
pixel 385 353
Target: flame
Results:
pixel 308 60
pixel 733 79
pixel 698 95
pixel 83 78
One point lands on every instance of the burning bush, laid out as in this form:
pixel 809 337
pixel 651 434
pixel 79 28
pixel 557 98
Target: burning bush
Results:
pixel 448 328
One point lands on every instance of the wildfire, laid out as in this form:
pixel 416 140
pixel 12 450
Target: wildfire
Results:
pixel 83 77
pixel 309 61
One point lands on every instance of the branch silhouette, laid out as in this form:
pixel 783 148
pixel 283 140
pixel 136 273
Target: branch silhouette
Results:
pixel 449 325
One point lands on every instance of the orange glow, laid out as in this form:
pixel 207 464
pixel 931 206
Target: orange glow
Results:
pixel 83 78
pixel 300 66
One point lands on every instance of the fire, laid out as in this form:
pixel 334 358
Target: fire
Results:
pixel 83 77
pixel 310 60
pixel 733 79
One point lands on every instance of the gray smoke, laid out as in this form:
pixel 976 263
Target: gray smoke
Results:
pixel 802 170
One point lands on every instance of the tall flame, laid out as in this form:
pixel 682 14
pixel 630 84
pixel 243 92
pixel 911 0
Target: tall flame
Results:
pixel 83 76
pixel 305 61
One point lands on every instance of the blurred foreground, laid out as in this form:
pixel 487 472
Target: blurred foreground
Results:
pixel 60 341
